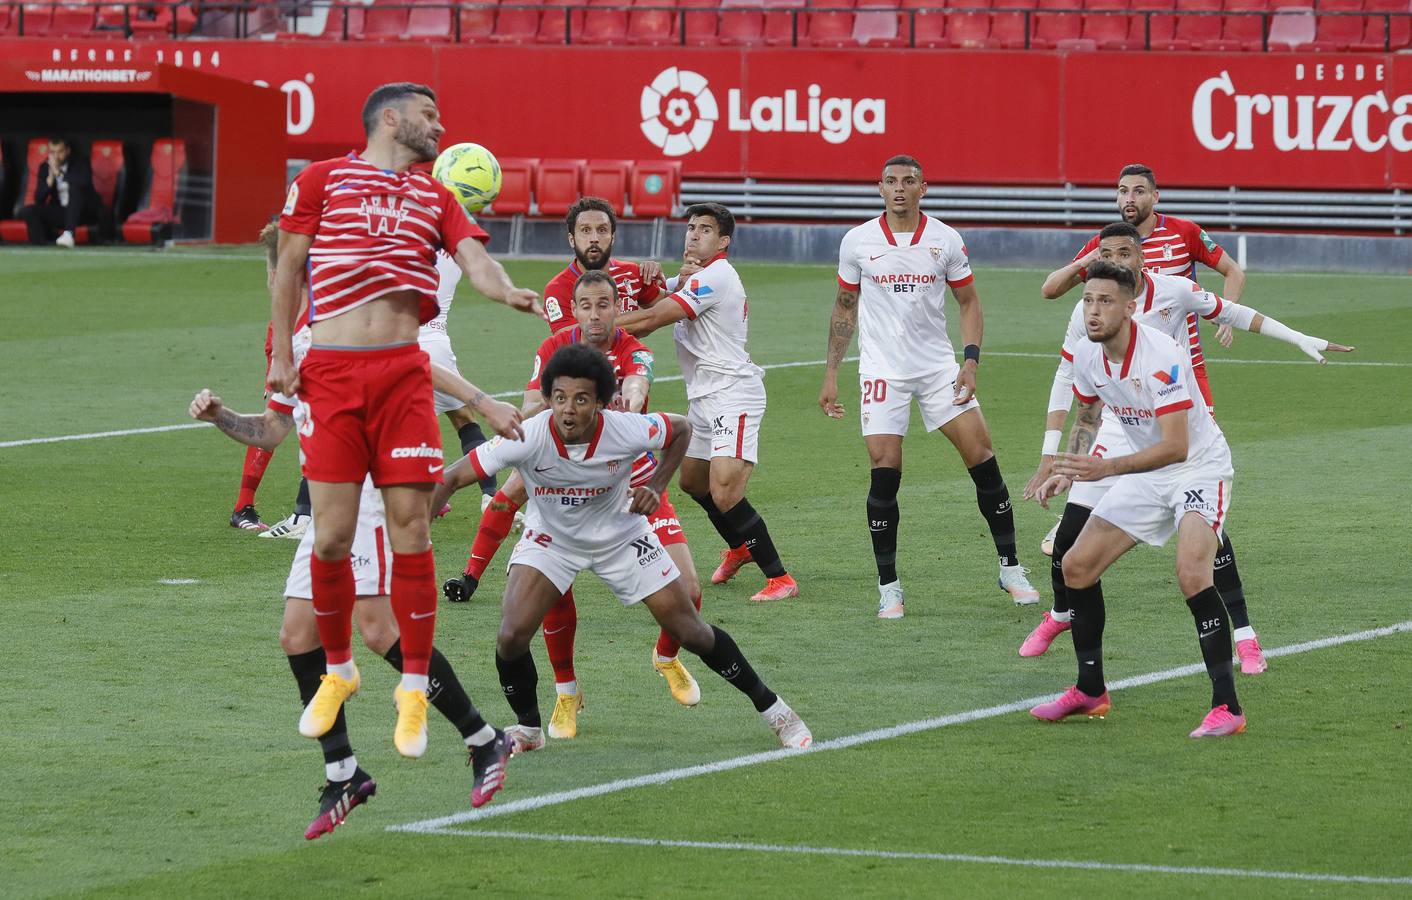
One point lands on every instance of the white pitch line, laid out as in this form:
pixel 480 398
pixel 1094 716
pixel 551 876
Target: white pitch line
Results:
pixel 866 737
pixel 25 442
pixel 802 849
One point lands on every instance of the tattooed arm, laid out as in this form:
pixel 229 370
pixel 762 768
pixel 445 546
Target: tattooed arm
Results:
pixel 264 431
pixel 842 324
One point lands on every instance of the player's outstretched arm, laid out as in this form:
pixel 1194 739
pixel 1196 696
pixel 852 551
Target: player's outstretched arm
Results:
pixel 1066 278
pixel 502 418
pixel 842 323
pixel 1247 318
pixel 642 322
pixel 265 431
pixel 634 393
pixel 1049 451
pixel 284 306
pixel 972 329
pixel 1081 438
pixel 489 277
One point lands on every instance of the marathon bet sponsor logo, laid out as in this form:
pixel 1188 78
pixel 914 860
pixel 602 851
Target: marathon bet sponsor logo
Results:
pixel 679 113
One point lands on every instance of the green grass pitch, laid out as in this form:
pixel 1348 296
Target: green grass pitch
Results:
pixel 149 744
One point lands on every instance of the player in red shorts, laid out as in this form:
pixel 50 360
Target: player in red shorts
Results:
pixel 595 304
pixel 368 228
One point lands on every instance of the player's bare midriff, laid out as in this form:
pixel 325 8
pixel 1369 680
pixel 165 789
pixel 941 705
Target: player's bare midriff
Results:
pixel 390 319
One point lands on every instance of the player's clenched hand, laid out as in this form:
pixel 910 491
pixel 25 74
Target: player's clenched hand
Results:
pixel 690 265
pixel 1053 486
pixel 205 406
pixel 651 271
pixel 965 385
pixel 644 501
pixel 1080 467
pixel 503 419
pixel 1312 346
pixel 283 378
pixel 828 398
pixel 1041 475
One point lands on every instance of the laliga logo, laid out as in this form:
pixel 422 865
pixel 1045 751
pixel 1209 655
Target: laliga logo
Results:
pixel 678 111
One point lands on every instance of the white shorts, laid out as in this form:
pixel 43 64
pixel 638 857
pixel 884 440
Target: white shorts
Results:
pixel 727 422
pixel 1110 441
pixel 437 345
pixel 886 407
pixel 633 570
pixel 372 563
pixel 1150 505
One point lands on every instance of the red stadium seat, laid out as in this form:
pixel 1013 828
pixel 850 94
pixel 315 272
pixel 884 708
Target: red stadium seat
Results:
pixel 784 22
pixel 384 20
pixel 927 25
pixel 699 22
pixel 430 20
pixel 1333 33
pixel 970 30
pixel 878 24
pixel 161 19
pixel 14 231
pixel 1380 31
pixel 557 17
pixel 1199 26
pixel 1162 23
pixel 1007 29
pixel 653 26
pixel 557 184
pixel 33 19
pixel 1244 31
pixel 830 28
pixel 516 183
pixel 477 21
pixel 72 20
pixel 607 178
pixel 153 221
pixel 340 15
pixel 1049 29
pixel 1110 31
pixel 109 173
pixel 604 26
pixel 742 23
pixel 516 23
pixel 653 188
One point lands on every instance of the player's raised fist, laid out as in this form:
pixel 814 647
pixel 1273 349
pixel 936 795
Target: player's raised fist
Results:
pixel 644 501
pixel 651 272
pixel 205 406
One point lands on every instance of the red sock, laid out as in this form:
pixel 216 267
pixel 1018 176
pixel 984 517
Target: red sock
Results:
pixel 560 623
pixel 494 528
pixel 414 596
pixel 334 592
pixel 256 461
pixel 667 646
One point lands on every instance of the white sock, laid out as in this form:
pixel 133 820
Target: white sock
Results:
pixel 1245 634
pixel 342 770
pixel 660 658
pixel 343 670
pixel 415 682
pixel 482 737
pixel 1064 616
pixel 776 710
pixel 566 687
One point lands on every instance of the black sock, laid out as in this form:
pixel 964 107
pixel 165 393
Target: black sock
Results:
pixel 308 669
pixel 994 501
pixel 1227 580
pixel 746 522
pixel 1214 632
pixel 444 690
pixel 1070 524
pixel 519 680
pixel 472 437
pixel 883 516
pixel 718 519
pixel 303 506
pixel 1089 615
pixel 726 660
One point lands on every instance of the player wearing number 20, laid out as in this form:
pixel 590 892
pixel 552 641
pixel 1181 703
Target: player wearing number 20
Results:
pixel 893 272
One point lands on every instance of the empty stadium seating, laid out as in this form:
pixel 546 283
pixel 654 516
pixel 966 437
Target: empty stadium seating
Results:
pixel 159 209
pixel 109 175
pixel 608 178
pixel 516 187
pixel 13 231
pixel 643 189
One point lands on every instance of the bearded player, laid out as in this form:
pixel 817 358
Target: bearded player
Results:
pixel 368 228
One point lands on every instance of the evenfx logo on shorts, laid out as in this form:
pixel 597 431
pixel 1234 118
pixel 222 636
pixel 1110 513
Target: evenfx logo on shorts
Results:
pixel 647 551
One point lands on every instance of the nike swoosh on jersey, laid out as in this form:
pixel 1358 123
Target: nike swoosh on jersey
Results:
pixel 545 469
pixel 878 257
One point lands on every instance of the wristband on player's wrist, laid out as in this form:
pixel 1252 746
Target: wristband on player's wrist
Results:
pixel 972 353
pixel 1051 443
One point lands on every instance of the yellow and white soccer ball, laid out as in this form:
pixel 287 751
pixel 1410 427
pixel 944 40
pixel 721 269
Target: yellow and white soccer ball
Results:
pixel 471 172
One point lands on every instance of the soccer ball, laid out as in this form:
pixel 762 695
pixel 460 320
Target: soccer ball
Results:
pixel 471 172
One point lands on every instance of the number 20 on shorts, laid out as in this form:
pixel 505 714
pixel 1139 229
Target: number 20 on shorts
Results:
pixel 874 390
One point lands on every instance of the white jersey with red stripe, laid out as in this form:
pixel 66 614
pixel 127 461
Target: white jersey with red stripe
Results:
pixel 375 232
pixel 711 339
pixel 1155 378
pixel 901 281
pixel 578 493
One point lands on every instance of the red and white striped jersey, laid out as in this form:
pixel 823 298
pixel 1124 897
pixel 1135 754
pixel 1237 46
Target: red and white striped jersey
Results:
pixel 559 292
pixel 628 355
pixel 1174 247
pixel 375 232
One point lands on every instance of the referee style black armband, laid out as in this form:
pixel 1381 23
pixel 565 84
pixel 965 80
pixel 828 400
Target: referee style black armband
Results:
pixel 972 353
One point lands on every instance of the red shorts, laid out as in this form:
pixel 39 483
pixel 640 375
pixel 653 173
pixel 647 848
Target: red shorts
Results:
pixel 369 411
pixel 664 523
